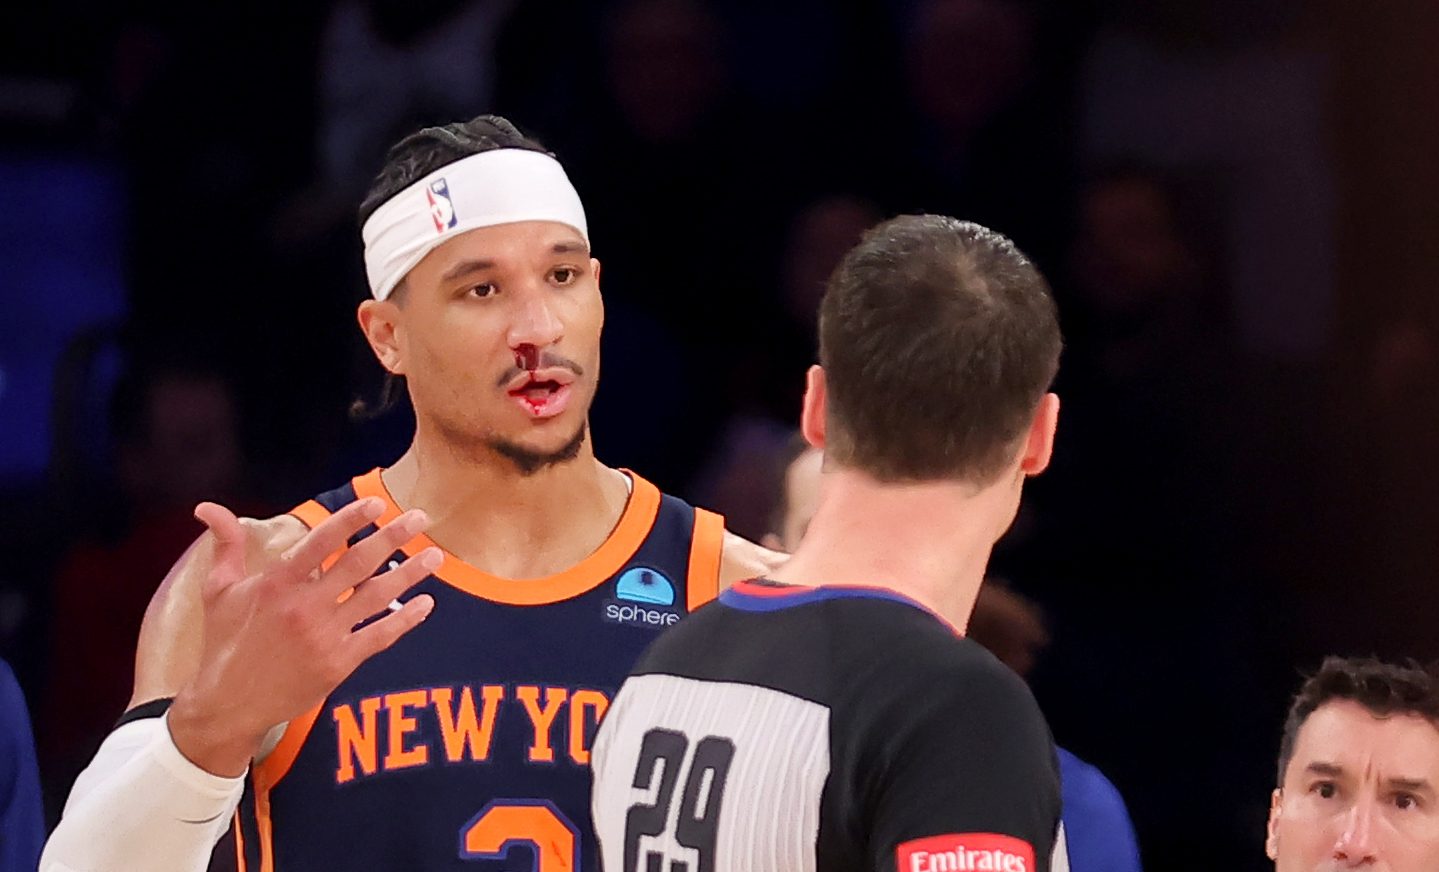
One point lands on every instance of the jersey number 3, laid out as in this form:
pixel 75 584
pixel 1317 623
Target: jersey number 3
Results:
pixel 697 822
pixel 531 823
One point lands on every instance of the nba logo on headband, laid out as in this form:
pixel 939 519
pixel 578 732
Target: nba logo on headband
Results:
pixel 441 209
pixel 500 186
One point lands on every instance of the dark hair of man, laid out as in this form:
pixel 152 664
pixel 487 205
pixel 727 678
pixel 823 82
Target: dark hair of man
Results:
pixel 410 160
pixel 938 338
pixel 1384 689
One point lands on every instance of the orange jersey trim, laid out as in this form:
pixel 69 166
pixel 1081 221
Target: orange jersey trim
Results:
pixel 262 823
pixel 706 549
pixel 268 772
pixel 634 525
pixel 239 843
pixel 311 514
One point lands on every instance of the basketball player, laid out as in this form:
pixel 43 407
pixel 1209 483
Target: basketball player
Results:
pixel 829 716
pixel 518 577
pixel 1359 772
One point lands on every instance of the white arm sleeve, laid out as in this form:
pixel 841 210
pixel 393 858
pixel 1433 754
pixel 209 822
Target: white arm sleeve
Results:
pixel 141 805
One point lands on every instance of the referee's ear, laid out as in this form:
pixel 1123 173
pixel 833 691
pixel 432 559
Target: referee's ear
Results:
pixel 812 414
pixel 1039 444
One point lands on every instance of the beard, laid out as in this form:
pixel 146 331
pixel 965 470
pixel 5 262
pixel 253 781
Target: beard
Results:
pixel 528 461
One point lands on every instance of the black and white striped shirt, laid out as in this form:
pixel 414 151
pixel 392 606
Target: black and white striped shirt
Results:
pixel 792 729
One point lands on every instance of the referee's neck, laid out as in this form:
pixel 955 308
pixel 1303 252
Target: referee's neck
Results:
pixel 930 541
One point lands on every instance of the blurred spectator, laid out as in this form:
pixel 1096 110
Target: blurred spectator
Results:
pixel 22 821
pixel 819 236
pixel 1148 513
pixel 678 235
pixel 968 61
pixel 1098 833
pixel 665 66
pixel 1139 298
pixel 676 232
pixel 988 138
pixel 387 66
pixel 1236 90
pixel 1147 346
pixel 177 441
pixel 769 358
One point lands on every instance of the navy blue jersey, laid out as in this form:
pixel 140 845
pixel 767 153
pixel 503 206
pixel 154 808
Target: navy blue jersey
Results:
pixel 466 746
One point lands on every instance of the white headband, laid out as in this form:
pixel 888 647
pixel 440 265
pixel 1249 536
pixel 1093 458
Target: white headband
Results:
pixel 494 187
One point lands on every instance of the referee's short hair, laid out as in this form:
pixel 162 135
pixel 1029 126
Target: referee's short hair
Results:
pixel 938 338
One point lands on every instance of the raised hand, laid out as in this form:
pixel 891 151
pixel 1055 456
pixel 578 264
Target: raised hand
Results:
pixel 279 640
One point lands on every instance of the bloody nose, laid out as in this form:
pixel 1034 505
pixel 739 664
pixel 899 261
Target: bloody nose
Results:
pixel 527 356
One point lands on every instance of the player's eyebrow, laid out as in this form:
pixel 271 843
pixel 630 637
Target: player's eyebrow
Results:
pixel 1331 770
pixel 1415 785
pixel 465 267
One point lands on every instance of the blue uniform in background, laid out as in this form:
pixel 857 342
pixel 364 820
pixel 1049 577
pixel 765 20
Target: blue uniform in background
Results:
pixel 22 815
pixel 1097 828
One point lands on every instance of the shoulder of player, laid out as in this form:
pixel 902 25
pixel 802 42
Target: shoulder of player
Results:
pixel 741 559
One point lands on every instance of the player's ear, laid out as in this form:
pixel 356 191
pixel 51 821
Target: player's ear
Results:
pixel 380 321
pixel 812 414
pixel 1271 836
pixel 1039 442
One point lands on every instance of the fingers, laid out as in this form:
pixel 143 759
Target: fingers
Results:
pixel 307 555
pixel 376 594
pixel 227 565
pixel 371 640
pixel 361 561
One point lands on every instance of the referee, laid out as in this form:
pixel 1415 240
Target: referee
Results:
pixel 832 716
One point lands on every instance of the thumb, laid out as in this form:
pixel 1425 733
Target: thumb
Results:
pixel 227 565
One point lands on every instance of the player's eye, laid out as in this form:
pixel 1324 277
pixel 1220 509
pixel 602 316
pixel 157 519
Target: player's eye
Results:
pixel 483 289
pixel 1405 801
pixel 1325 789
pixel 564 275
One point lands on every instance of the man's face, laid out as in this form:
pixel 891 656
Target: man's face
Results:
pixel 1359 793
pixel 498 333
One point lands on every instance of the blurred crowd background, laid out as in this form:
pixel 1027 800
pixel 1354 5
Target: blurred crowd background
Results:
pixel 1235 201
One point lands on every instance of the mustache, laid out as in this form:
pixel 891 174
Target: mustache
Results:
pixel 547 360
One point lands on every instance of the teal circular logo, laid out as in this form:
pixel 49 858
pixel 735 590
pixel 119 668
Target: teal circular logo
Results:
pixel 645 585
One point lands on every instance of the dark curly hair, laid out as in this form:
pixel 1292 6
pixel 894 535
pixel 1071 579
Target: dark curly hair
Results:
pixel 1384 689
pixel 410 160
